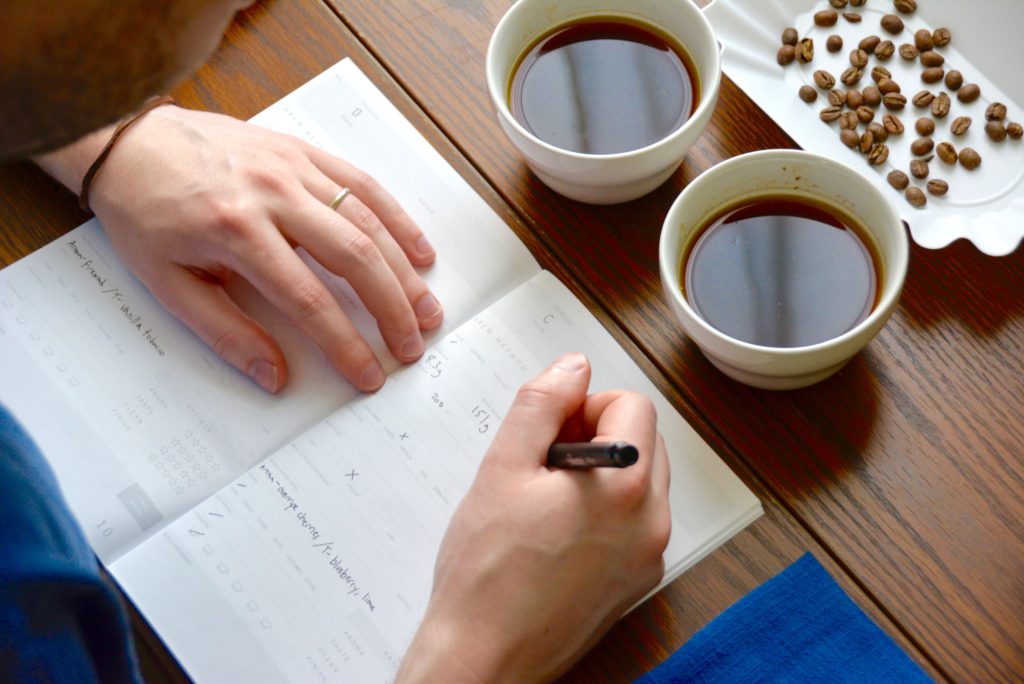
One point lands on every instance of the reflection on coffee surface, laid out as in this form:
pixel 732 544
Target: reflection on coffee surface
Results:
pixel 782 272
pixel 602 86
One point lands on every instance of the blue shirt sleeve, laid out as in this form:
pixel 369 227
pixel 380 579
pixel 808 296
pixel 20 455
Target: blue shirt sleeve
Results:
pixel 60 621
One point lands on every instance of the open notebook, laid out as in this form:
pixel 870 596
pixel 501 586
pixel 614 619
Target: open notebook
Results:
pixel 292 538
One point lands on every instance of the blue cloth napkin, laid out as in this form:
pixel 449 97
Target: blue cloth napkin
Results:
pixel 797 627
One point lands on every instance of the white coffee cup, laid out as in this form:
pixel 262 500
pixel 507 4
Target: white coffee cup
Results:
pixel 603 178
pixel 782 172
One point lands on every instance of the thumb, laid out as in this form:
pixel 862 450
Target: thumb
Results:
pixel 540 409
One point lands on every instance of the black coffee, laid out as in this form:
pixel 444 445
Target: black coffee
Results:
pixel 603 86
pixel 782 272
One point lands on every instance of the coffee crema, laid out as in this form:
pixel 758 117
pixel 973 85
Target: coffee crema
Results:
pixel 603 85
pixel 782 271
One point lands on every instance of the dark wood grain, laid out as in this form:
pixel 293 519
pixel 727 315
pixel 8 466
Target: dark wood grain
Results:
pixel 908 465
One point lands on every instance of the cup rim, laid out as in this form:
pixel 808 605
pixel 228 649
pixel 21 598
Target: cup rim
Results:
pixel 706 97
pixel 896 263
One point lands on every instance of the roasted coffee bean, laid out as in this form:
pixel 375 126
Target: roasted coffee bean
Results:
pixel 960 125
pixel 878 154
pixel 922 146
pixel 916 197
pixel 852 17
pixel 826 18
pixel 885 50
pixel 924 126
pixel 849 120
pixel 933 74
pixel 838 4
pixel 867 141
pixel 938 187
pixel 946 152
pixel 790 36
pixel 969 93
pixel 996 131
pixel 941 37
pixel 786 55
pixel 895 101
pixel 892 23
pixel 919 168
pixel 923 40
pixel 908 52
pixel 954 79
pixel 869 43
pixel 892 124
pixel 851 76
pixel 940 105
pixel 969 158
pixel 865 114
pixel 872 96
pixel 923 98
pixel 836 98
pixel 824 80
pixel 830 114
pixel 887 85
pixel 858 3
pixel 1014 130
pixel 898 179
pixel 995 112
pixel 805 51
pixel 849 138
pixel 808 94
pixel 878 130
pixel 931 58
pixel 905 6
pixel 880 72
pixel 834 43
pixel 859 58
pixel 854 98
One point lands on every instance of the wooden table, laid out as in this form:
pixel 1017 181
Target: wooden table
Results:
pixel 903 474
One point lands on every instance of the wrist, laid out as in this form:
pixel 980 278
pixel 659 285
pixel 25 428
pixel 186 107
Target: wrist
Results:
pixel 441 653
pixel 68 165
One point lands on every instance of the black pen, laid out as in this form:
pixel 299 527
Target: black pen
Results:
pixel 592 455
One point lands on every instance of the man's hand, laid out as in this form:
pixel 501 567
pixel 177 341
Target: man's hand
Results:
pixel 190 198
pixel 538 563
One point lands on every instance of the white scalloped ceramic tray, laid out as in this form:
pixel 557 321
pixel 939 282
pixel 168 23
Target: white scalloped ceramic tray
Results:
pixel 985 206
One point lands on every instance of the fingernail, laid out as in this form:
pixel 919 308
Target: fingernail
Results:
pixel 423 246
pixel 265 374
pixel 574 362
pixel 373 377
pixel 413 346
pixel 427 307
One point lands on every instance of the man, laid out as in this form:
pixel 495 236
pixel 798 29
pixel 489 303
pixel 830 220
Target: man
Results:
pixel 190 199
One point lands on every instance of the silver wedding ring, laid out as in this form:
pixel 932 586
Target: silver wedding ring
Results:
pixel 339 198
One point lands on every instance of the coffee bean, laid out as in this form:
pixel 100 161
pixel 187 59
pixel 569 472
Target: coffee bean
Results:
pixel 1014 130
pixel 854 98
pixel 930 58
pixel 922 146
pixel 969 158
pixel 887 85
pixel 865 114
pixel 786 55
pixel 905 6
pixel 908 52
pixel 885 50
pixel 923 98
pixel 790 36
pixel 838 4
pixel 892 23
pixel 892 124
pixel 826 18
pixel 834 43
pixel 858 3
pixel 919 168
pixel 872 96
pixel 805 52
pixel 954 79
pixel 996 131
pixel 859 58
pixel 849 138
pixel 923 40
pixel 946 152
pixel 849 120
pixel 823 79
pixel 995 112
pixel 940 105
pixel 898 179
pixel 938 187
pixel 867 141
pixel 830 114
pixel 895 101
pixel 941 37
pixel 878 154
pixel 836 98
pixel 869 43
pixel 960 125
pixel 808 94
pixel 924 126
pixel 916 197
pixel 851 76
pixel 880 72
pixel 852 17
pixel 878 130
pixel 933 74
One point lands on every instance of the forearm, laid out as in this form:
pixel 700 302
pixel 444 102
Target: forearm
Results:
pixel 69 164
